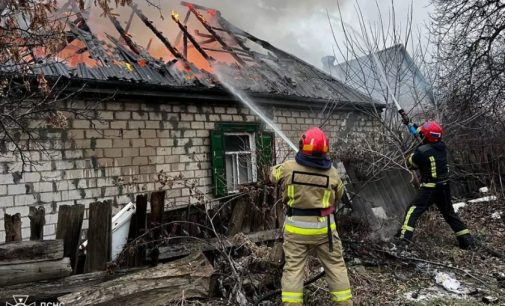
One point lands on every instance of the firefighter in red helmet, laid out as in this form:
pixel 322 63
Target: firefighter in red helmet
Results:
pixel 430 158
pixel 311 189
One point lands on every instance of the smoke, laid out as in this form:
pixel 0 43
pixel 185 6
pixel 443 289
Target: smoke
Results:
pixel 299 27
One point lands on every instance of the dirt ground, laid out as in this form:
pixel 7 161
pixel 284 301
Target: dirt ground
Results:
pixel 381 279
pixel 381 275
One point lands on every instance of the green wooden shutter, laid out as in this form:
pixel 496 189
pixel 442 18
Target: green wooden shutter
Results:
pixel 218 170
pixel 265 150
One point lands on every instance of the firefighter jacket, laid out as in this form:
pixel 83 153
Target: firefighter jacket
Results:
pixel 431 160
pixel 306 187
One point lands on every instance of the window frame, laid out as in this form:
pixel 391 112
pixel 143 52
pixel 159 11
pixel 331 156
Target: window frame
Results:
pixel 263 152
pixel 252 152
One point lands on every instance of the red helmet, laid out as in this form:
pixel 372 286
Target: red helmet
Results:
pixel 314 142
pixel 431 131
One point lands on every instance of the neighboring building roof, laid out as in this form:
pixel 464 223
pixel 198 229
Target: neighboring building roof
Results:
pixel 252 64
pixel 410 87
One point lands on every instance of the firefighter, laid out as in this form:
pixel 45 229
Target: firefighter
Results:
pixel 430 158
pixel 311 188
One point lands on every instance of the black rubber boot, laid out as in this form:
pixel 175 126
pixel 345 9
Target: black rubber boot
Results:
pixel 466 242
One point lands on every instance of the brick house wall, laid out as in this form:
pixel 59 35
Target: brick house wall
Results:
pixel 120 154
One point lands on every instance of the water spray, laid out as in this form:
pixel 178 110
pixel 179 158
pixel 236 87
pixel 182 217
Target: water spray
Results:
pixel 382 74
pixel 245 99
pixel 405 119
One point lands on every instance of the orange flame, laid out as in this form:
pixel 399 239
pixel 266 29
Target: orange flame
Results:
pixel 175 15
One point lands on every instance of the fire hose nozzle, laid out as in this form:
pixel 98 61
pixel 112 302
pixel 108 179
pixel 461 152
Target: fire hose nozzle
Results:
pixel 405 117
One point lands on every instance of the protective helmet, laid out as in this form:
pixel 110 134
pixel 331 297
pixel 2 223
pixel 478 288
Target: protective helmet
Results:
pixel 314 142
pixel 431 131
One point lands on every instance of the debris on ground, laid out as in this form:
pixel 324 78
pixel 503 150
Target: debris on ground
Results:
pixel 483 199
pixel 449 282
pixel 496 215
pixel 458 205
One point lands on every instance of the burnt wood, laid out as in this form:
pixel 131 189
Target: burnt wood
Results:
pixel 240 209
pixel 34 271
pixel 188 277
pixel 157 209
pixel 137 228
pixel 30 251
pixel 98 250
pixel 185 248
pixel 37 221
pixel 68 229
pixel 52 289
pixel 12 224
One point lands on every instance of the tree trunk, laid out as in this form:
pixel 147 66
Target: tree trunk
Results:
pixel 37 221
pixel 98 250
pixel 12 226
pixel 34 271
pixel 188 277
pixel 30 251
pixel 69 230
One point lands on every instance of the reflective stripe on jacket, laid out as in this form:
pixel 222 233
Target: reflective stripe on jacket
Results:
pixel 308 226
pixel 431 160
pixel 307 188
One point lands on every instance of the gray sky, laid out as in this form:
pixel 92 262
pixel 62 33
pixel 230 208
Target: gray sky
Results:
pixel 299 27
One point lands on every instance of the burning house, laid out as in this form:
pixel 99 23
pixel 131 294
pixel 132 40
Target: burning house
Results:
pixel 156 120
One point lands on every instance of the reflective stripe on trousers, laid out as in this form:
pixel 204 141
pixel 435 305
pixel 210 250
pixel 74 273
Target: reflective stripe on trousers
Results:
pixel 462 232
pixel 339 296
pixel 405 226
pixel 292 297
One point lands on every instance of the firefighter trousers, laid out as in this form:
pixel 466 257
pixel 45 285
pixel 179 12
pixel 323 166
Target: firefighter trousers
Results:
pixel 296 251
pixel 441 196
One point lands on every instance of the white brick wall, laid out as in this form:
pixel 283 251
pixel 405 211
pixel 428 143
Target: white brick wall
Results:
pixel 123 153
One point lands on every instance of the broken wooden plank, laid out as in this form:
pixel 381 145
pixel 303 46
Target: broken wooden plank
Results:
pixel 34 271
pixel 37 221
pixel 98 250
pixel 51 289
pixel 30 251
pixel 12 225
pixel 69 229
pixel 137 228
pixel 157 208
pixel 240 209
pixel 188 277
pixel 185 248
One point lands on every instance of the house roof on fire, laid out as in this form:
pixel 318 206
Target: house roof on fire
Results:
pixel 202 58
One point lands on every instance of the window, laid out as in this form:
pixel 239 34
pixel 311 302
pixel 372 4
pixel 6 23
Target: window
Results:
pixel 241 153
pixel 240 162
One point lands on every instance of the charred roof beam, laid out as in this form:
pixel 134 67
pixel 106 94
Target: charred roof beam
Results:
pixel 124 35
pixel 193 41
pixel 209 28
pixel 179 35
pixel 158 34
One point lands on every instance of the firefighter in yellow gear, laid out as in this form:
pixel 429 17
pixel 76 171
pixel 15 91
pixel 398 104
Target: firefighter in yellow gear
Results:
pixel 311 188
